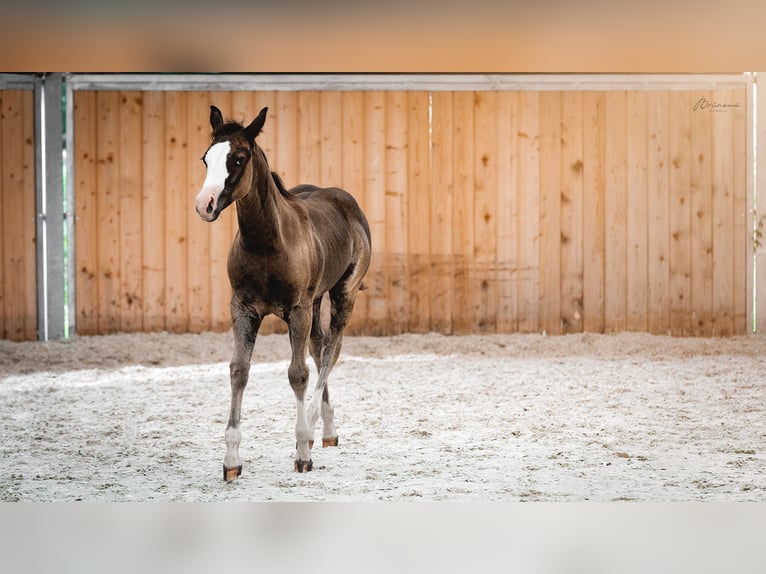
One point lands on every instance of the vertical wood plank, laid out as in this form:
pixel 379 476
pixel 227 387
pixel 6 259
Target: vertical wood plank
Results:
pixel 309 138
pixel 15 291
pixel 131 211
pixel 330 124
pixel 571 212
pixel 176 201
pixel 286 160
pixel 506 215
pixel 108 219
pixel 442 192
pixel 701 243
pixel 86 212
pixel 615 213
pixel 740 237
pixel 550 212
pixel 594 245
pixel 418 213
pixel 153 207
pixel 375 208
pixel 637 223
pixel 484 283
pixel 198 232
pixel 28 217
pixel 463 211
pixel 352 178
pixel 396 210
pixel 267 139
pixel 723 218
pixel 680 213
pixel 528 142
pixel 658 218
pixel 9 179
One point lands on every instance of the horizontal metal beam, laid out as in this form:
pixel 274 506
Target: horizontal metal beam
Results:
pixel 406 82
pixel 19 81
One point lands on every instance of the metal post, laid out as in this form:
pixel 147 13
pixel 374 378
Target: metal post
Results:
pixel 51 214
pixel 759 211
pixel 40 226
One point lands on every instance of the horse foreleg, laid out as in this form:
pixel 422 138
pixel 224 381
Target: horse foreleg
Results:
pixel 245 328
pixel 299 325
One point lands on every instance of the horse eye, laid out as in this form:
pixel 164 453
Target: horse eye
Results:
pixel 240 162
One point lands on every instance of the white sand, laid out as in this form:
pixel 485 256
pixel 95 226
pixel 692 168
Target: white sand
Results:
pixel 420 417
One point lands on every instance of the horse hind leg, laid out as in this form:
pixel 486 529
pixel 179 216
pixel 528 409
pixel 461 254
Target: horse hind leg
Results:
pixel 316 341
pixel 334 343
pixel 342 297
pixel 316 338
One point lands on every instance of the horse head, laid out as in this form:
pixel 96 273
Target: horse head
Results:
pixel 229 164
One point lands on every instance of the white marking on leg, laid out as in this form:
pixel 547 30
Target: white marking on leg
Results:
pixel 317 406
pixel 328 421
pixel 302 433
pixel 233 437
pixel 312 412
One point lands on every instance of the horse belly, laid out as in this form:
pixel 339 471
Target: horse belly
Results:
pixel 264 294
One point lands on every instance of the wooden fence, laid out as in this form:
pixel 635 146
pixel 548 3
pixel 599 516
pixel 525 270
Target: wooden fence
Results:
pixel 491 211
pixel 18 300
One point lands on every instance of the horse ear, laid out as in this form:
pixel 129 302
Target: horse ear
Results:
pixel 216 118
pixel 256 125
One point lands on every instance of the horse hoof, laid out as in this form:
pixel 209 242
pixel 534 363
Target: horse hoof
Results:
pixel 230 474
pixel 329 442
pixel 303 466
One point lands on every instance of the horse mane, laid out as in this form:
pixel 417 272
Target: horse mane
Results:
pixel 280 184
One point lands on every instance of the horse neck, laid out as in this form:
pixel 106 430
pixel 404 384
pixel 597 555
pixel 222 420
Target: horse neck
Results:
pixel 262 212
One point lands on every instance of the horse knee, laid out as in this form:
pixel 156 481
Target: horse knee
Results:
pixel 239 371
pixel 299 377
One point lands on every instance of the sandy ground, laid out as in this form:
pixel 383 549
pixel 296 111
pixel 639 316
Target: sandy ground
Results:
pixel 420 417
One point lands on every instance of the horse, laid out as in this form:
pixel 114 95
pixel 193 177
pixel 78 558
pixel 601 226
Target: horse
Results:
pixel 292 247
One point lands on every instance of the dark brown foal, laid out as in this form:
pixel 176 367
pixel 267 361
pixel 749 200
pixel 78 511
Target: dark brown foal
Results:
pixel 293 246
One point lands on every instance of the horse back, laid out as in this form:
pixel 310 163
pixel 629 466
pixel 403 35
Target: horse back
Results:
pixel 331 206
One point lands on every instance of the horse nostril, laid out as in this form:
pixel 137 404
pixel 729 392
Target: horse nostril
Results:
pixel 210 206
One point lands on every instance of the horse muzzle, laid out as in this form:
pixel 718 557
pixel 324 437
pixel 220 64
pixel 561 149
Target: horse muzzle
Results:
pixel 207 204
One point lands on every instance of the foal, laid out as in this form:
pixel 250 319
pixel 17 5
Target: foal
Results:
pixel 292 247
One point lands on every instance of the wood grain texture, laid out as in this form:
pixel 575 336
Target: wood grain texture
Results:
pixel 489 211
pixel 18 304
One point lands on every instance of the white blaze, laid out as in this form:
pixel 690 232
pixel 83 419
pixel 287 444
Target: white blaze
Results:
pixel 215 159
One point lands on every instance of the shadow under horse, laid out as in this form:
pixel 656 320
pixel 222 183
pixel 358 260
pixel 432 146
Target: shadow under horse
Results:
pixel 292 247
